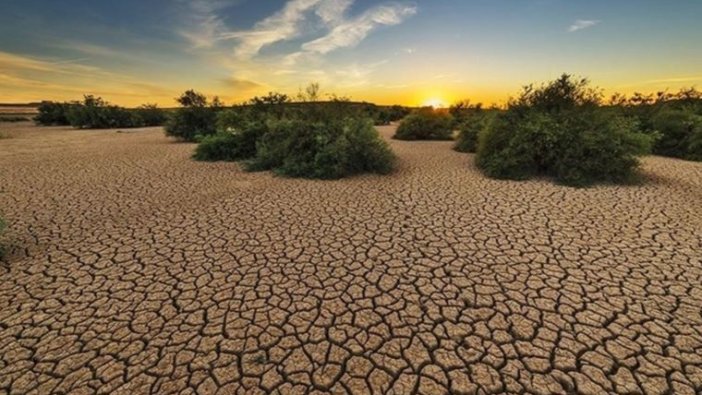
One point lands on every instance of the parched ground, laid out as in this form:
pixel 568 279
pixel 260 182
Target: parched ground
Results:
pixel 137 270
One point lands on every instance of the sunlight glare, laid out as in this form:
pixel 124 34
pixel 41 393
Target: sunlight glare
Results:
pixel 434 103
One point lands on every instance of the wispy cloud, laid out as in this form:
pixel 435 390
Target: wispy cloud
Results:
pixel 581 24
pixel 310 29
pixel 289 22
pixel 332 11
pixel 10 62
pixel 206 25
pixel 66 79
pixel 283 25
pixel 352 32
pixel 241 84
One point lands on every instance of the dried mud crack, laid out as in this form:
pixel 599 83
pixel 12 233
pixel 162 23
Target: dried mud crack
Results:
pixel 136 270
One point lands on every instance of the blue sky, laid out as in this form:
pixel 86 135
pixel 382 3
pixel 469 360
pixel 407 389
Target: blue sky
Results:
pixel 406 52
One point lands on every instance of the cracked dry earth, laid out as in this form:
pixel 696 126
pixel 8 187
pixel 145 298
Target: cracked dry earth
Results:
pixel 136 270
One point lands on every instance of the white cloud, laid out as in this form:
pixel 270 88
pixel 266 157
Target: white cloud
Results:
pixel 203 15
pixel 332 11
pixel 310 28
pixel 283 25
pixel 352 32
pixel 581 24
pixel 288 23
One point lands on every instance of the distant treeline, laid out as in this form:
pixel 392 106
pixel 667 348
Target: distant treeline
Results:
pixel 674 119
pixel 95 113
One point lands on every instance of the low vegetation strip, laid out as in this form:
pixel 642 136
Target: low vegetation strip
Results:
pixel 95 113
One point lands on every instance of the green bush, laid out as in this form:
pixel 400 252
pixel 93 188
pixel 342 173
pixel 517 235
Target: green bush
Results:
pixel 469 131
pixel 231 145
pixel 679 131
pixel 675 118
pixel 222 146
pixel 95 113
pixel 468 137
pixel 425 125
pixel 558 130
pixel 150 115
pixel 52 114
pixel 309 139
pixel 325 150
pixel 196 118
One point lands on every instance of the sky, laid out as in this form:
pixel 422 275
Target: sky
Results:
pixel 132 52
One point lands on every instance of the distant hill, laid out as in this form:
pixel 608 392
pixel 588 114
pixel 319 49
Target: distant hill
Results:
pixel 20 105
pixel 16 111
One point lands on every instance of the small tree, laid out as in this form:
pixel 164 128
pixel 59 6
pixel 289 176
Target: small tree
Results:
pixel 195 118
pixel 272 105
pixel 190 98
pixel 311 93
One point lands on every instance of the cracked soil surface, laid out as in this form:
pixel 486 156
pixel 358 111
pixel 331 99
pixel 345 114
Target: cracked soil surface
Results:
pixel 137 270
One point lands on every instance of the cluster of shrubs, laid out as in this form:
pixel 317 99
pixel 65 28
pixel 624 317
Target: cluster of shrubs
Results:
pixel 470 119
pixel 560 130
pixel 309 139
pixel 95 113
pixel 676 120
pixel 196 117
pixel 425 124
pixel 565 131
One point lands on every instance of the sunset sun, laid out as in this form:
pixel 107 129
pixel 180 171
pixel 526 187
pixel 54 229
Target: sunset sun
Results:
pixel 434 103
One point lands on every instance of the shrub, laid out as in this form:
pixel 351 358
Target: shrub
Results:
pixel 464 111
pixel 151 115
pixel 425 125
pixel 52 114
pixel 232 119
pixel 675 118
pixel 679 131
pixel 195 118
pixel 95 113
pixel 231 145
pixel 558 130
pixel 222 146
pixel 325 150
pixel 273 105
pixel 469 130
pixel 468 137
pixel 397 113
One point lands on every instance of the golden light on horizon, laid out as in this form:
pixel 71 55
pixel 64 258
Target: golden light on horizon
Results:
pixel 434 102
